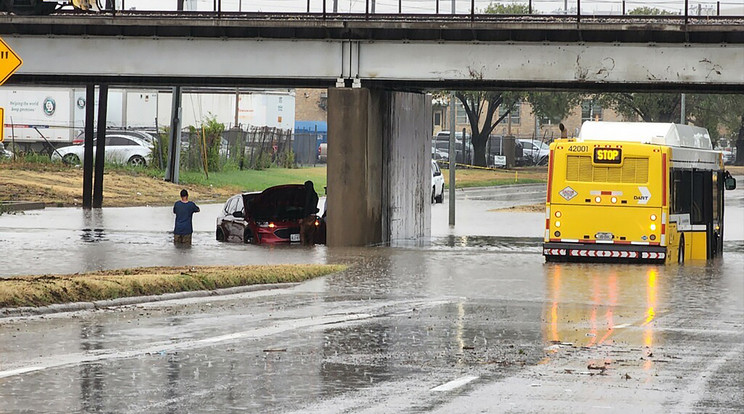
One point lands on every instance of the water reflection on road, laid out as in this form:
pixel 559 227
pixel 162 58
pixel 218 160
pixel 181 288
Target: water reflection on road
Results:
pixel 475 303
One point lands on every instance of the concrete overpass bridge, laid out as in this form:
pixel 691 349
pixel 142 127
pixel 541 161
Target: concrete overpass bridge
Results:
pixel 377 68
pixel 412 52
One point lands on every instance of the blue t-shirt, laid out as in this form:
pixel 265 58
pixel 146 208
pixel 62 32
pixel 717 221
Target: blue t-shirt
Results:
pixel 183 212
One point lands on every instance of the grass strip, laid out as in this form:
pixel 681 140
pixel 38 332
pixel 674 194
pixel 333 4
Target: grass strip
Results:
pixel 144 281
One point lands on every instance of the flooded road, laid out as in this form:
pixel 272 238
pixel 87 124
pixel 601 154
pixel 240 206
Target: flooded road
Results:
pixel 475 321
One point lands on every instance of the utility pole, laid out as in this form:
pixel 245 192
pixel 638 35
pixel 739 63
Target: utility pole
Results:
pixel 452 157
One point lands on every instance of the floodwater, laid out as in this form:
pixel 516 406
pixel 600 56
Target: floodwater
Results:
pixel 473 321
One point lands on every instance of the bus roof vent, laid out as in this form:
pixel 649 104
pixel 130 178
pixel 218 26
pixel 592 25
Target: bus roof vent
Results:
pixel 660 133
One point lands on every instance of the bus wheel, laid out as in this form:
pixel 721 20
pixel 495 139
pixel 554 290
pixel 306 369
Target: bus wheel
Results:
pixel 681 250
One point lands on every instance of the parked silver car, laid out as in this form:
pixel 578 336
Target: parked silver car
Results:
pixel 536 151
pixel 4 153
pixel 120 149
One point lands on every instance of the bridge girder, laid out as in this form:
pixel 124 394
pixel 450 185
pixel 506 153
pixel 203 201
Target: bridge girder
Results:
pixel 409 65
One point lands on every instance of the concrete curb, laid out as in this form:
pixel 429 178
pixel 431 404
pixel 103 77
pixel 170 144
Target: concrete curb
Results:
pixel 496 187
pixel 100 304
pixel 9 206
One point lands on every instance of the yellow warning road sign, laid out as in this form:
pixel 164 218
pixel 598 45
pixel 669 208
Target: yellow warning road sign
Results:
pixel 9 61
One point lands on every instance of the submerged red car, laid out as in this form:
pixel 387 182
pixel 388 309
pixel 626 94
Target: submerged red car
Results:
pixel 270 216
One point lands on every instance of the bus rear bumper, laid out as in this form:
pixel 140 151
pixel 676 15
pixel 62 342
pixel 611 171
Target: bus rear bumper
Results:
pixel 603 252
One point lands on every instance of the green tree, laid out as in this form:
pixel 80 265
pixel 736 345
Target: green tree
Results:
pixel 513 8
pixel 727 111
pixel 554 105
pixel 650 11
pixel 481 108
pixel 649 107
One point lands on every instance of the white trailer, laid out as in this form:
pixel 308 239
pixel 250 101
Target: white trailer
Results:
pixel 34 116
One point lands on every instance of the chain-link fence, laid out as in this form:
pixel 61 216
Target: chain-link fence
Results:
pixel 249 148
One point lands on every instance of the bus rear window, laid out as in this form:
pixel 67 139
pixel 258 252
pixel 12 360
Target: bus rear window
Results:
pixel 580 168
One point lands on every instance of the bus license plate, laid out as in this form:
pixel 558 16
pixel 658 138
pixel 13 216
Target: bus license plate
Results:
pixel 603 236
pixel 294 237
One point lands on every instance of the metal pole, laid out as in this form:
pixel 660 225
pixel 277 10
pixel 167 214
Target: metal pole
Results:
pixel 578 10
pixel 437 6
pixel 452 159
pixel 100 147
pixel 171 169
pixel 237 106
pixel 308 5
pixel 472 9
pixel 718 8
pixel 682 109
pixel 687 12
pixel 453 6
pixel 90 104
pixel 530 7
pixel 623 7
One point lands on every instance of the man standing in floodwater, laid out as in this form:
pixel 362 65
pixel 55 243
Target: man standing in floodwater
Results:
pixel 184 210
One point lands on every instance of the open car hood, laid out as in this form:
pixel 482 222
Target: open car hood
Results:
pixel 279 203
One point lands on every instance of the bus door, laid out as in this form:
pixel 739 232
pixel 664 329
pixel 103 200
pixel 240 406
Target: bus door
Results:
pixel 697 210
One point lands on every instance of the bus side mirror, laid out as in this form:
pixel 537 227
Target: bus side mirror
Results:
pixel 729 183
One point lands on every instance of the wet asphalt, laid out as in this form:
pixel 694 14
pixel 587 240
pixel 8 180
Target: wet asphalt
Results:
pixel 470 321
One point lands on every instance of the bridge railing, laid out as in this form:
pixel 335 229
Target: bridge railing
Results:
pixel 473 9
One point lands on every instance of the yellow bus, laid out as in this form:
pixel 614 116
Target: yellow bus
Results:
pixel 635 191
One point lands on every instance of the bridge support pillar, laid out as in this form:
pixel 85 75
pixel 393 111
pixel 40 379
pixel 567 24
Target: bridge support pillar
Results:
pixel 379 168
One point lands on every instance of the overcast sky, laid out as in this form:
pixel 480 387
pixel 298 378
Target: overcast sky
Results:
pixel 429 6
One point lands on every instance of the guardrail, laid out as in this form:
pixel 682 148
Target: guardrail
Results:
pixel 474 9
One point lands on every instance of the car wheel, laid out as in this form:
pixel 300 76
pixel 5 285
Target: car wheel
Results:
pixel 440 198
pixel 433 194
pixel 71 159
pixel 247 236
pixel 137 161
pixel 220 235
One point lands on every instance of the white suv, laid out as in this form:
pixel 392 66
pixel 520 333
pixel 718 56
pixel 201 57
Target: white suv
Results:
pixel 536 151
pixel 437 183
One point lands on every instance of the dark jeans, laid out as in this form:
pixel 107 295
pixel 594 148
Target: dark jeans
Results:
pixel 307 230
pixel 182 239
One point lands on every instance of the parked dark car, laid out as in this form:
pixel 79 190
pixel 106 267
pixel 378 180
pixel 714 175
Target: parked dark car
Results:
pixel 270 216
pixel 496 156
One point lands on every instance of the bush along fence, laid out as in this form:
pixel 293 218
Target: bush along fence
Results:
pixel 210 147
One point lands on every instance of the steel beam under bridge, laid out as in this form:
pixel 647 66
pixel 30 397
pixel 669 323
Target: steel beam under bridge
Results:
pixel 399 64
